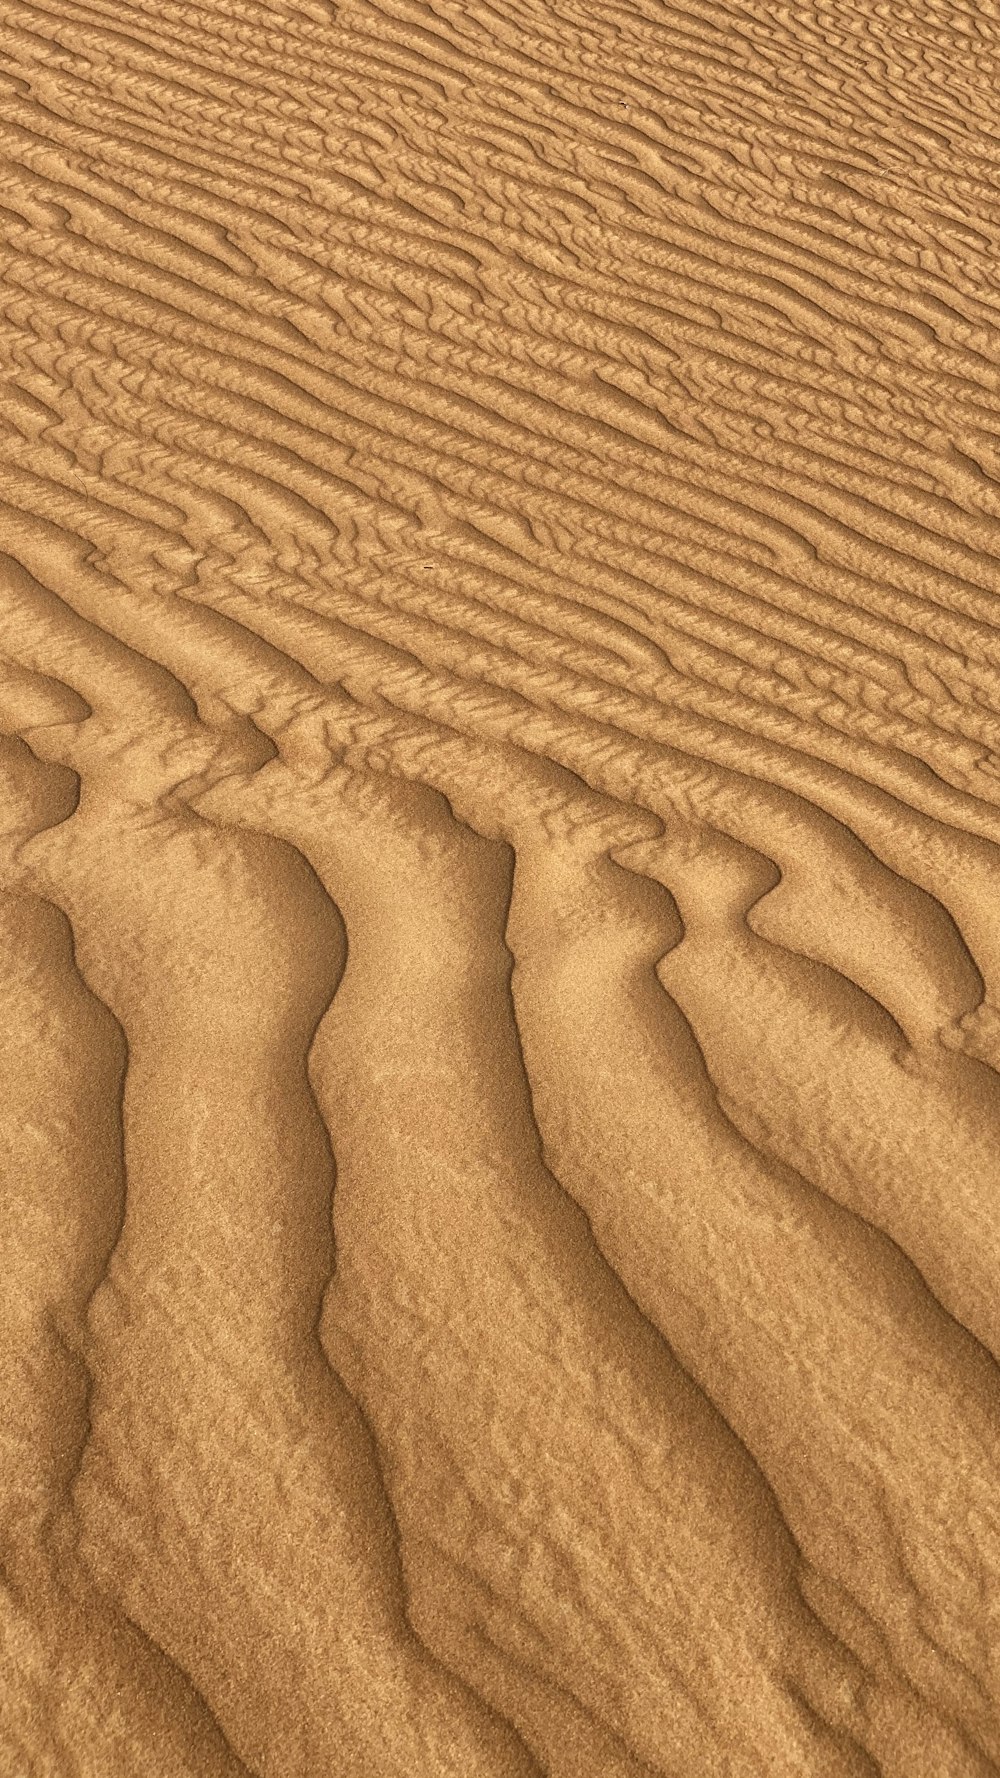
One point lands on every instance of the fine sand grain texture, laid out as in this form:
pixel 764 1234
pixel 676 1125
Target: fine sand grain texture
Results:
pixel 500 889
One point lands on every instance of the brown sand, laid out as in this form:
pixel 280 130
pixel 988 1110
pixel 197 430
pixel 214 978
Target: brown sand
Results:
pixel 500 889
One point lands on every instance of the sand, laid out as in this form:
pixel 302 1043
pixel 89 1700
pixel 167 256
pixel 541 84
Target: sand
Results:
pixel 500 889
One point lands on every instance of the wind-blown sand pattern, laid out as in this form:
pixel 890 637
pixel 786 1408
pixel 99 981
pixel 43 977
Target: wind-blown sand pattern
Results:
pixel 500 890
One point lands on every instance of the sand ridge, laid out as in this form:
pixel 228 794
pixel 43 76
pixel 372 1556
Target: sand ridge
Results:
pixel 499 685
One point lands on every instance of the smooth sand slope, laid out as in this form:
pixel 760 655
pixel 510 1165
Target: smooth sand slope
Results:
pixel 500 889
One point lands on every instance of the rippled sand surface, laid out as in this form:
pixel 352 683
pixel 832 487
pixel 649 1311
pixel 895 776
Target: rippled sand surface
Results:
pixel 500 889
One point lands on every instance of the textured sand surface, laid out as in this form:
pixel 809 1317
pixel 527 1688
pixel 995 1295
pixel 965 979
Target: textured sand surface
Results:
pixel 500 889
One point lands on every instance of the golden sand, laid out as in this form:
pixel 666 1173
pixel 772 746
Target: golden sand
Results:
pixel 500 889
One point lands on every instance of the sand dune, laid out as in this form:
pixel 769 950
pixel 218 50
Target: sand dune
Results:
pixel 499 862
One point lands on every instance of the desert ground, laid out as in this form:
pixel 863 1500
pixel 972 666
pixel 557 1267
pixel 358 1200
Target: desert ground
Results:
pixel 500 889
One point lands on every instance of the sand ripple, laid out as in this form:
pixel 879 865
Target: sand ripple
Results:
pixel 500 1005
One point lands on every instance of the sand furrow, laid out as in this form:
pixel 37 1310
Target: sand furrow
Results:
pixel 245 1387
pixel 83 1689
pixel 471 1483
